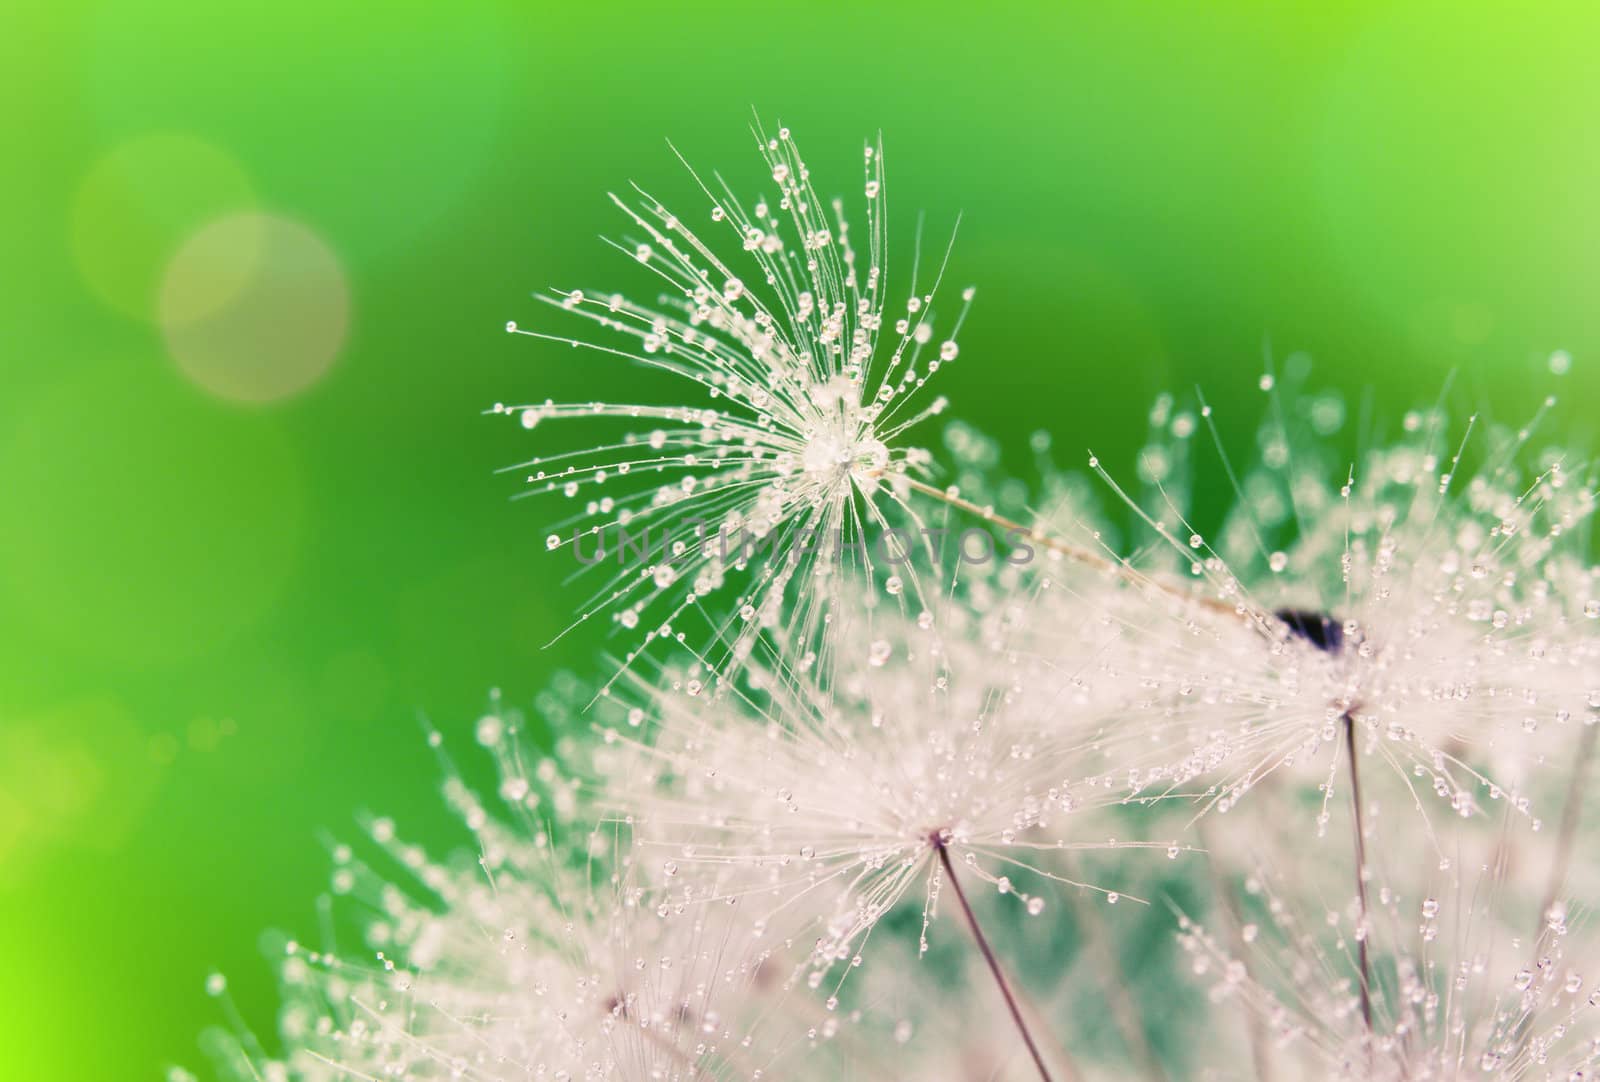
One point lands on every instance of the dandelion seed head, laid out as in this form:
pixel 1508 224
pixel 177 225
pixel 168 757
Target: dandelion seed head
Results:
pixel 1425 591
pixel 518 965
pixel 736 858
pixel 833 795
pixel 802 389
pixel 1457 999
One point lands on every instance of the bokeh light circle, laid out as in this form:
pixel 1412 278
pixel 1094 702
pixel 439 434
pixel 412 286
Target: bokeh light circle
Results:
pixel 136 204
pixel 254 307
pixel 75 774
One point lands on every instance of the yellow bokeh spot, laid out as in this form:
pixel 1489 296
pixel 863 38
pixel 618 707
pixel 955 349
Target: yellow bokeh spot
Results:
pixel 254 307
pixel 70 778
pixel 136 204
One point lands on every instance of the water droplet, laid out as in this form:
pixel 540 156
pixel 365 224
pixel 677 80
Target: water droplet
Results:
pixel 490 729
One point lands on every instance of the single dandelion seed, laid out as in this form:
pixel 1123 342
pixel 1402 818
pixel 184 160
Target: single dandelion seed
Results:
pixel 804 385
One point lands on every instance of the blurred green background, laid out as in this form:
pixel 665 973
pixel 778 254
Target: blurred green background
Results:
pixel 258 260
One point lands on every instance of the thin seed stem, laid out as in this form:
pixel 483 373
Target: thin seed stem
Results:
pixel 1260 1055
pixel 1571 813
pixel 1361 871
pixel 650 1034
pixel 1075 553
pixel 690 1061
pixel 993 962
pixel 1566 838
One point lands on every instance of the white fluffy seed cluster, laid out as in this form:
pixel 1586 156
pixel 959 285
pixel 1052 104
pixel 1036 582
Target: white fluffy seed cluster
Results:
pixel 808 367
pixel 837 817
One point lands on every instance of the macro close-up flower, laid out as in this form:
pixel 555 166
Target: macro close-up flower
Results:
pixel 853 708
pixel 803 364
pixel 888 544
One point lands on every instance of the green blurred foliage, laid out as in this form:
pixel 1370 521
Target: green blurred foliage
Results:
pixel 220 620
